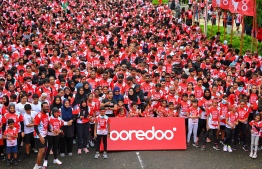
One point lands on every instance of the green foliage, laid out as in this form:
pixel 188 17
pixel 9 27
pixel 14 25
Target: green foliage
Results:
pixel 259 12
pixel 155 2
pixel 236 39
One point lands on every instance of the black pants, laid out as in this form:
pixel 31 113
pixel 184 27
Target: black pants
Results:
pixel 53 142
pixel 201 125
pixel 229 135
pixel 98 142
pixel 243 128
pixel 19 141
pixel 66 143
pixel 92 127
pixel 82 135
pixel 214 136
pixel 189 22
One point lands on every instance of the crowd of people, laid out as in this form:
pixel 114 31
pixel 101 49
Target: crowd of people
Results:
pixel 66 66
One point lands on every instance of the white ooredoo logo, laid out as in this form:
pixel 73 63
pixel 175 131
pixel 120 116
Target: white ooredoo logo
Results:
pixel 143 135
pixel 225 2
pixel 244 6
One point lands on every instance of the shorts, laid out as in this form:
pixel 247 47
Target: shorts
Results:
pixel 38 143
pixel 237 24
pixel 28 137
pixel 11 149
pixel 222 127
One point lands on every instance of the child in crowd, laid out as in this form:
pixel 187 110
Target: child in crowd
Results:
pixel 102 131
pixel 11 135
pixel 231 122
pixel 256 125
pixel 194 114
pixel 28 129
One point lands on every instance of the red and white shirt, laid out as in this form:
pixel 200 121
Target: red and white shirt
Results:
pixel 102 124
pixel 41 120
pixel 13 141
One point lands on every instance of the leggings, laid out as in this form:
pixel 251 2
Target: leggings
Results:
pixel 254 142
pixel 201 125
pixel 229 134
pixel 192 128
pixel 82 135
pixel 66 142
pixel 53 142
pixel 214 136
pixel 240 127
pixel 98 142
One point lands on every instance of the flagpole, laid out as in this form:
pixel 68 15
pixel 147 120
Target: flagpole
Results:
pixel 206 19
pixel 242 36
pixel 232 27
pixel 225 26
pixel 219 19
pixel 255 13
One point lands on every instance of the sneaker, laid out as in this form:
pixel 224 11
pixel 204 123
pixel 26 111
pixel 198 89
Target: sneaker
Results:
pixel 86 150
pixel 251 155
pixel 105 155
pixel 2 158
pixel 92 144
pixel 203 147
pixel 8 163
pixel 222 142
pixel 225 148
pixel 79 151
pixel 229 149
pixel 69 154
pixel 96 155
pixel 15 163
pixel 196 144
pixel 34 150
pixel 62 154
pixel 245 148
pixel 45 163
pixel 216 147
pixel 74 141
pixel 56 161
pixel 254 156
pixel 188 145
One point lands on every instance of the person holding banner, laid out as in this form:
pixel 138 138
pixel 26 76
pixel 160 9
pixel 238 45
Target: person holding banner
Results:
pixel 102 131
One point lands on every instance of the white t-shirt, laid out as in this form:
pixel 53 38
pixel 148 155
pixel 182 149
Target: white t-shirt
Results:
pixel 20 108
pixel 28 119
pixel 36 107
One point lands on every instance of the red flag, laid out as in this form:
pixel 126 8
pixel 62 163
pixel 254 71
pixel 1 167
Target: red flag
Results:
pixel 244 7
pixel 216 3
pixel 224 4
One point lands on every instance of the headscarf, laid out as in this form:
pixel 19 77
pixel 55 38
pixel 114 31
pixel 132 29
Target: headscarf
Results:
pixel 51 72
pixel 133 97
pixel 70 95
pixel 84 111
pixel 69 85
pixel 54 103
pixel 206 85
pixel 67 114
pixel 86 91
pixel 119 96
pixel 41 70
pixel 209 97
pixel 79 97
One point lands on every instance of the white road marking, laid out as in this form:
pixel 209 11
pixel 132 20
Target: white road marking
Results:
pixel 140 160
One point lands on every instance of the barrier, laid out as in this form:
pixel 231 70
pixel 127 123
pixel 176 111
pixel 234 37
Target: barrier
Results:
pixel 147 134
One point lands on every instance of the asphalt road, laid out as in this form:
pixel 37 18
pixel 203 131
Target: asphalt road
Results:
pixel 191 158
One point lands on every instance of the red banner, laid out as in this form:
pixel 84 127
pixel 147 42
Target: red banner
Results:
pixel 147 134
pixel 224 4
pixel 244 7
